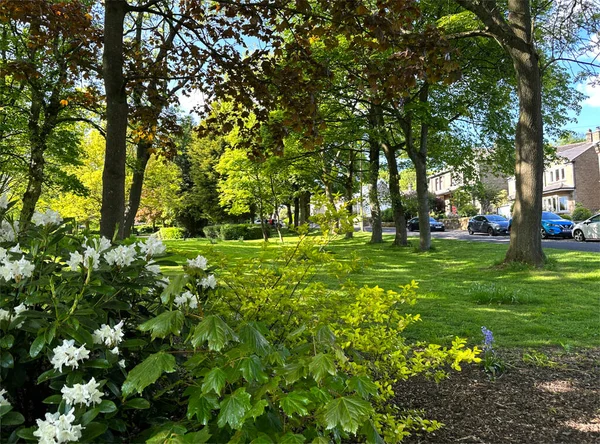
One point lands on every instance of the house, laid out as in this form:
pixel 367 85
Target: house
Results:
pixel 573 178
pixel 446 182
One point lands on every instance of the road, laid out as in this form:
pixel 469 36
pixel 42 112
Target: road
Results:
pixel 562 244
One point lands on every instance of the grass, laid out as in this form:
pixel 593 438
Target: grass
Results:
pixel 461 288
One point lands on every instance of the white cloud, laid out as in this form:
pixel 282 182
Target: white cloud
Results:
pixel 592 90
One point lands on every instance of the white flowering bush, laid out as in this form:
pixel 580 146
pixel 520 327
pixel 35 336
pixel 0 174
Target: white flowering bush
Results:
pixel 96 345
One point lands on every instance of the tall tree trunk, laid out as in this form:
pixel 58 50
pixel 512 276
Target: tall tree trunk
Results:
pixel 296 211
pixel 419 159
pixel 112 211
pixel 398 211
pixel 304 203
pixel 34 183
pixel 376 228
pixel 514 34
pixel 135 192
pixel 290 215
pixel 349 191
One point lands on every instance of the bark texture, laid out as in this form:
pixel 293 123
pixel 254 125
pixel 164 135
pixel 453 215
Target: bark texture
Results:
pixel 375 219
pixel 400 238
pixel 112 211
pixel 135 192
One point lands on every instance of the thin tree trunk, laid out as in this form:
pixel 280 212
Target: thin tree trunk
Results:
pixel 34 184
pixel 112 211
pixel 135 192
pixel 289 214
pixel 376 228
pixel 304 203
pixel 398 211
pixel 349 188
pixel 296 211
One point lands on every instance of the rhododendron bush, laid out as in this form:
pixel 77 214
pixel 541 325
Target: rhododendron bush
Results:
pixel 98 346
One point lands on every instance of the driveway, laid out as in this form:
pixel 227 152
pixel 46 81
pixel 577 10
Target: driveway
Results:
pixel 562 244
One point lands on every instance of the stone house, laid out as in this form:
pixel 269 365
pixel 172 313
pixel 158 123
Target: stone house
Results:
pixel 573 178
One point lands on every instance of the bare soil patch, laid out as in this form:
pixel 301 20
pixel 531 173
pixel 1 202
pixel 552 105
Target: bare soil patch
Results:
pixel 548 396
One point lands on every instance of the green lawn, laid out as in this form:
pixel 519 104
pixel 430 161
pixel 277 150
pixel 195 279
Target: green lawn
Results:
pixel 461 289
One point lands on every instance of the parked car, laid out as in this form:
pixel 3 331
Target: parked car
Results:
pixel 588 229
pixel 553 225
pixel 434 225
pixel 492 224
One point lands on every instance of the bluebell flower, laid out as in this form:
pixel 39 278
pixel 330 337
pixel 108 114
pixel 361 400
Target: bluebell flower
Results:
pixel 488 338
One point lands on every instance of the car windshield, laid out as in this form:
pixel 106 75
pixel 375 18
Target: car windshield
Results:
pixel 496 218
pixel 431 219
pixel 547 215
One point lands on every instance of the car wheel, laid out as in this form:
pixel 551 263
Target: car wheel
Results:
pixel 491 231
pixel 578 235
pixel 470 230
pixel 544 234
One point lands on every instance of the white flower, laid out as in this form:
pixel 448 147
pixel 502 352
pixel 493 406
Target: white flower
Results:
pixel 153 268
pixel 3 201
pixel 57 428
pixel 16 249
pixel 8 232
pixel 199 262
pixel 109 336
pixel 121 363
pixel 121 256
pixel 83 393
pixel 18 269
pixel 75 260
pixel 3 400
pixel 91 256
pixel 101 244
pixel 48 218
pixel 67 354
pixel 209 281
pixel 164 282
pixel 20 309
pixel 186 298
pixel 4 315
pixel 115 351
pixel 2 254
pixel 152 247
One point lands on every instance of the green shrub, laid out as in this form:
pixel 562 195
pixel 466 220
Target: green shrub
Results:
pixel 467 210
pixel 212 231
pixel 387 215
pixel 580 213
pixel 93 333
pixel 566 216
pixel 170 233
pixel 490 293
pixel 233 231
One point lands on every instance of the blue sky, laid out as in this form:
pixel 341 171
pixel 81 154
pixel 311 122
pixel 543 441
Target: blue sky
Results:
pixel 589 118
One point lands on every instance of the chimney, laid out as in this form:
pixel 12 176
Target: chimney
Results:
pixel 596 135
pixel 589 136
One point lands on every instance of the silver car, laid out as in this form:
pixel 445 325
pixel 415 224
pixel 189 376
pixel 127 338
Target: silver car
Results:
pixel 588 229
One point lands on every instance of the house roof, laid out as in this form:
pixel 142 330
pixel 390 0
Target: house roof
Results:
pixel 558 187
pixel 574 150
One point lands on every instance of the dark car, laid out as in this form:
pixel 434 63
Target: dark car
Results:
pixel 434 225
pixel 491 224
pixel 553 226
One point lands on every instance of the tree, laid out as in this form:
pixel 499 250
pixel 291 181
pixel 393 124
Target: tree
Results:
pixel 47 48
pixel 515 31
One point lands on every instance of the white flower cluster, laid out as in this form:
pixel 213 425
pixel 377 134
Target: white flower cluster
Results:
pixel 8 231
pixel 199 262
pixel 186 298
pixel 3 400
pixel 152 247
pixel 121 256
pixel 57 428
pixel 91 255
pixel 5 314
pixel 4 201
pixel 153 268
pixel 16 270
pixel 48 218
pixel 111 337
pixel 67 354
pixel 209 282
pixel 83 393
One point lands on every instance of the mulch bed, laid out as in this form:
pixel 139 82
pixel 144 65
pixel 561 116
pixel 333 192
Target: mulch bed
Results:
pixel 548 396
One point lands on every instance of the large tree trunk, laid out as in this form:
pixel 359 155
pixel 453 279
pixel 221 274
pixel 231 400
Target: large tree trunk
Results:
pixel 515 36
pixel 135 193
pixel 112 211
pixel 525 237
pixel 419 160
pixel 304 203
pixel 376 229
pixel 34 184
pixel 398 211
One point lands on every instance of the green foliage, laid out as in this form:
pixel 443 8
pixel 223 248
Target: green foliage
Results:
pixel 493 294
pixel 233 231
pixel 387 215
pixel 170 233
pixel 580 213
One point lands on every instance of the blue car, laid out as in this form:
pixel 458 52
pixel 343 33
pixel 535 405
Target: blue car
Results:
pixel 553 226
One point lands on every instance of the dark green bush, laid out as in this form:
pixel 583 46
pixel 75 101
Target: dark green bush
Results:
pixel 233 231
pixel 387 215
pixel 580 213
pixel 170 233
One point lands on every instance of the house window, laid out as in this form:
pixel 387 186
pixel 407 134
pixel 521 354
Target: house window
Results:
pixel 562 173
pixel 563 203
pixel 551 176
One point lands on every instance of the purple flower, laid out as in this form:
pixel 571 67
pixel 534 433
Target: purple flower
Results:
pixel 488 338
